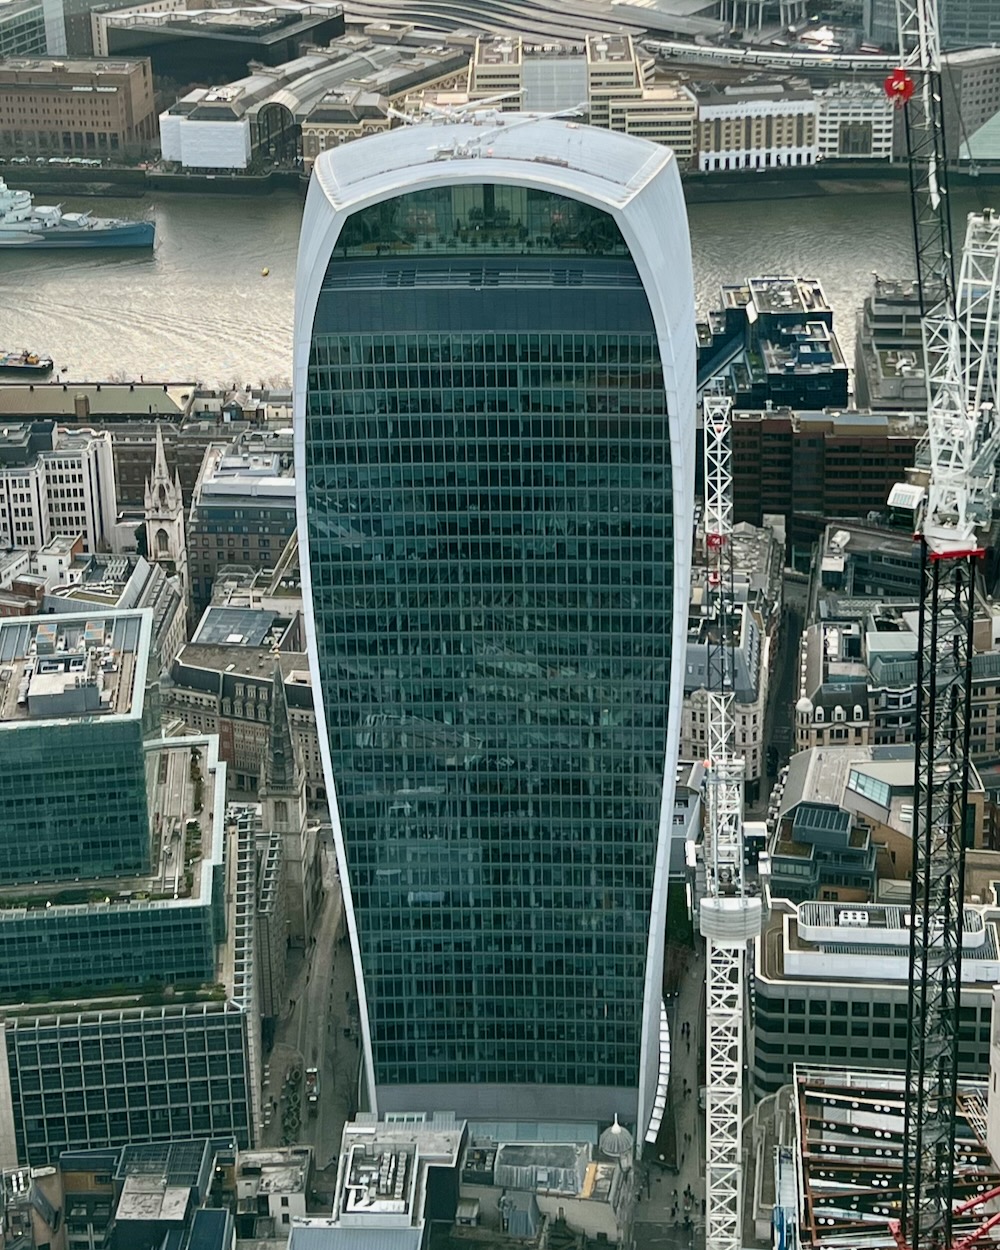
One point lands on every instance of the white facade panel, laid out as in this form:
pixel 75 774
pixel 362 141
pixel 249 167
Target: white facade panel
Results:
pixel 170 136
pixel 215 145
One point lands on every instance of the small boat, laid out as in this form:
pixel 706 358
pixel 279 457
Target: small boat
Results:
pixel 24 362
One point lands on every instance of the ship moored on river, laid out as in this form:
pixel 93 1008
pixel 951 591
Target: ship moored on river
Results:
pixel 25 225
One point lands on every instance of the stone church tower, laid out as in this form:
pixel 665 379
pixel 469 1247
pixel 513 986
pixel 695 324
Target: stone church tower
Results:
pixel 164 513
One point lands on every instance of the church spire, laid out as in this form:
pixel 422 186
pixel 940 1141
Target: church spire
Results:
pixel 279 773
pixel 160 471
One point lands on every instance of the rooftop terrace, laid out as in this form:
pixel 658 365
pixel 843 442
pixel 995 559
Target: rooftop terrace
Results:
pixel 186 803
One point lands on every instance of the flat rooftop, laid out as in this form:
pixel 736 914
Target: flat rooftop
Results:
pixel 814 350
pixel 147 1198
pixel 239 627
pixel 607 48
pixel 380 1179
pixel 273 1171
pixel 69 65
pixel 381 1165
pixel 104 399
pixel 794 949
pixel 500 50
pixel 788 295
pixel 859 919
pixel 263 474
pixel 73 667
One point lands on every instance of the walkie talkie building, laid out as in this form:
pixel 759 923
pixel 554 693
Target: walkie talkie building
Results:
pixel 494 389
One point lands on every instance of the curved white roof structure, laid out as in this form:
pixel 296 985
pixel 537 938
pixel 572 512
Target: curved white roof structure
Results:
pixel 635 183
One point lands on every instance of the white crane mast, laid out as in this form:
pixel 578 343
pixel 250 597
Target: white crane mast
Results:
pixel 728 919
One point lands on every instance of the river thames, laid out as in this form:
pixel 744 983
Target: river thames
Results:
pixel 199 308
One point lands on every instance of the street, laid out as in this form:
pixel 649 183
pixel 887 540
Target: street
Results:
pixel 321 1005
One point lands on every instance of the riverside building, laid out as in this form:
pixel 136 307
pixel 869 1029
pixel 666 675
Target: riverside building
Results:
pixel 494 424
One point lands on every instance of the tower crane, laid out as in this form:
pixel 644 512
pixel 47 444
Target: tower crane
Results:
pixel 729 919
pixel 959 330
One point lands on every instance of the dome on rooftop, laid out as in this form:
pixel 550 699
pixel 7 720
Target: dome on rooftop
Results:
pixel 616 1142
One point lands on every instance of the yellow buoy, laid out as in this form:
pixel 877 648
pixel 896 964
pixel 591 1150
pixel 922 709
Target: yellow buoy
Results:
pixel 264 273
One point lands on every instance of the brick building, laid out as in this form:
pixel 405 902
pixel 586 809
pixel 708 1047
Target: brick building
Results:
pixel 807 466
pixel 85 106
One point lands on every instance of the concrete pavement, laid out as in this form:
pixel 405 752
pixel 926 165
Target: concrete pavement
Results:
pixel 662 1201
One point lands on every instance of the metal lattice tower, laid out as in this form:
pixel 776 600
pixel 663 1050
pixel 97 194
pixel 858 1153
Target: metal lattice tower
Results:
pixel 920 48
pixel 959 454
pixel 728 919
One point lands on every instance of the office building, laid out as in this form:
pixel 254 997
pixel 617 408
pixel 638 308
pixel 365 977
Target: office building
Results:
pixel 963 23
pixel 889 351
pixel 862 562
pixel 242 510
pixel 854 122
pixel 77 107
pixel 74 713
pixel 756 126
pixel 199 44
pixel 147 929
pixel 605 76
pixel 22 28
pixel 971 78
pixel 56 482
pixel 135 1016
pixel 809 466
pixel 772 344
pixel 494 464
pixel 831 987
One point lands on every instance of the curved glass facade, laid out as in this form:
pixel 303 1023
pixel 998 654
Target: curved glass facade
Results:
pixel 489 511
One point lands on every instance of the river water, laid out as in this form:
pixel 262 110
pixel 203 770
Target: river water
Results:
pixel 199 307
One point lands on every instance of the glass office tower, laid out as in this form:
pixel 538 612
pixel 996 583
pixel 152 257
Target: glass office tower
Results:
pixel 495 364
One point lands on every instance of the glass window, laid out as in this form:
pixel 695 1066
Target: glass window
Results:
pixel 491 543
